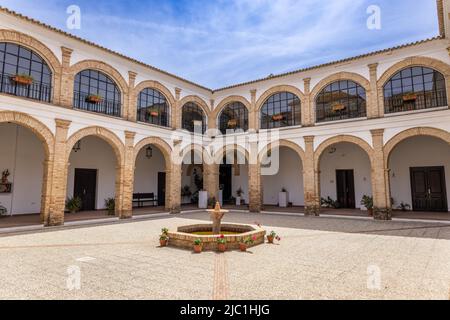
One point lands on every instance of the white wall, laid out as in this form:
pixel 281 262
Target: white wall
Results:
pixel 23 155
pixel 289 176
pixel 346 157
pixel 240 181
pixel 416 152
pixel 146 172
pixel 96 154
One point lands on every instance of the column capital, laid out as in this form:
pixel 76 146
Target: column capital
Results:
pixel 253 92
pixel 377 132
pixel 66 52
pixel 373 66
pixel 307 84
pixel 130 134
pixel 309 139
pixel 132 75
pixel 178 93
pixel 62 124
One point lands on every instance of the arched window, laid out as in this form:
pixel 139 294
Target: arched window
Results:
pixel 281 110
pixel 95 91
pixel 415 88
pixel 193 118
pixel 24 73
pixel 152 107
pixel 233 117
pixel 341 100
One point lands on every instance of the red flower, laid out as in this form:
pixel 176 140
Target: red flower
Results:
pixel 222 236
pixel 254 238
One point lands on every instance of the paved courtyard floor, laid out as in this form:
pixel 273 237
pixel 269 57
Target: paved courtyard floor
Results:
pixel 318 258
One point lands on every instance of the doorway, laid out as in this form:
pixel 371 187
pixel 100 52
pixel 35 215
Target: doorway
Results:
pixel 225 181
pixel 428 189
pixel 161 189
pixel 86 187
pixel 345 181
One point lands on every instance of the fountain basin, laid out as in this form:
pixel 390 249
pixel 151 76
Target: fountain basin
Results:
pixel 234 233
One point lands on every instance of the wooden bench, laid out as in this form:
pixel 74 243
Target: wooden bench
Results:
pixel 142 198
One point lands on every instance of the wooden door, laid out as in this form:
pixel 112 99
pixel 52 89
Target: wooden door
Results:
pixel 85 187
pixel 345 182
pixel 428 189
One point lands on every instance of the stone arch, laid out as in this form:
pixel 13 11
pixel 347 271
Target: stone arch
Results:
pixel 218 110
pixel 284 143
pixel 282 88
pixel 197 100
pixel 339 139
pixel 158 142
pixel 37 127
pixel 359 79
pixel 414 132
pixel 206 157
pixel 151 84
pixel 103 133
pixel 219 154
pixel 428 62
pixel 44 52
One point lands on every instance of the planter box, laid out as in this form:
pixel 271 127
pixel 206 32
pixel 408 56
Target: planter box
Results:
pixel 283 199
pixel 22 80
pixel 94 99
pixel 203 200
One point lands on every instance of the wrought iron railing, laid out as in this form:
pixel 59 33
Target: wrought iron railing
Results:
pixel 341 113
pixel 109 107
pixel 34 90
pixel 416 101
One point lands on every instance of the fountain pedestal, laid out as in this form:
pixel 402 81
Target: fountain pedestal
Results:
pixel 216 216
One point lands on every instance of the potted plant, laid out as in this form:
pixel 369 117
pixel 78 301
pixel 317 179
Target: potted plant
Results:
pixel 232 123
pixel 277 117
pixel 3 210
pixel 5 175
pixel 338 107
pixel 246 243
pixel 239 194
pixel 74 204
pixel 273 236
pixel 164 237
pixel 110 205
pixel 410 97
pixel 283 198
pixel 94 98
pixel 23 79
pixel 153 112
pixel 198 246
pixel 367 202
pixel 221 243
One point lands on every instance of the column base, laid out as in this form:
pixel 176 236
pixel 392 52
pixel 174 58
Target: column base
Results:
pixel 175 210
pixel 382 214
pixel 54 221
pixel 312 211
pixel 126 214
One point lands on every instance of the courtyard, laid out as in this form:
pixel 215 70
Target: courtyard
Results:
pixel 317 258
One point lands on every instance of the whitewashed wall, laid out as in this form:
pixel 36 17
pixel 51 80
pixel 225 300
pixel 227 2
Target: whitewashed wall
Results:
pixel 146 172
pixel 95 154
pixel 23 155
pixel 346 157
pixel 416 152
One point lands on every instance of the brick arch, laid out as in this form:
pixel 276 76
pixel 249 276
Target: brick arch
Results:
pixel 159 143
pixel 102 133
pixel 219 154
pixel 414 132
pixel 157 86
pixel 38 128
pixel 428 62
pixel 339 139
pixel 284 143
pixel 206 157
pixel 359 79
pixel 277 89
pixel 225 102
pixel 197 100
pixel 43 51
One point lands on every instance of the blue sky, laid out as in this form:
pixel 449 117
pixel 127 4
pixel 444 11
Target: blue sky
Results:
pixel 221 42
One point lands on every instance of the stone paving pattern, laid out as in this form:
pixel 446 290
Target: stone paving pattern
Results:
pixel 318 258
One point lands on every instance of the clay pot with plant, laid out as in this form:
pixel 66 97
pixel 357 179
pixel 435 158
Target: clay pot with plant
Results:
pixel 164 237
pixel 222 243
pixel 246 243
pixel 110 205
pixel 74 205
pixel 198 246
pixel 272 237
pixel 23 79
pixel 367 202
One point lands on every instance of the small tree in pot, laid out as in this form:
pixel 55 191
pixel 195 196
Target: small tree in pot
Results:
pixel 367 202
pixel 164 237
pixel 110 205
pixel 74 205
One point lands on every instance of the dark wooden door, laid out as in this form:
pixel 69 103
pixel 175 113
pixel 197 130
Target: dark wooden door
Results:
pixel 345 182
pixel 86 187
pixel 428 189
pixel 161 188
pixel 225 181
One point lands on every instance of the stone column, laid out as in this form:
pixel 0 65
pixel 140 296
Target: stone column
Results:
pixel 125 209
pixel 380 179
pixel 254 179
pixel 311 180
pixel 211 179
pixel 66 94
pixel 307 105
pixel 253 113
pixel 176 110
pixel 173 187
pixel 58 170
pixel 131 113
pixel 373 109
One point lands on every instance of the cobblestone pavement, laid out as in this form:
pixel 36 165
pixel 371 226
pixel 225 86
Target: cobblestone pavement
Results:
pixel 318 258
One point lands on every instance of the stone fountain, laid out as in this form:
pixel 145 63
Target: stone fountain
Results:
pixel 216 217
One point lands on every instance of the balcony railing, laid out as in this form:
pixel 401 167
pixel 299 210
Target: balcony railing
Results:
pixel 35 90
pixel 415 101
pixel 108 107
pixel 343 113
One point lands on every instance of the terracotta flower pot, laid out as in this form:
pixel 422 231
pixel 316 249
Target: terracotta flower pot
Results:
pixel 243 247
pixel 163 243
pixel 93 99
pixel 370 211
pixel 154 113
pixel 22 80
pixel 198 249
pixel 222 247
pixel 270 239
